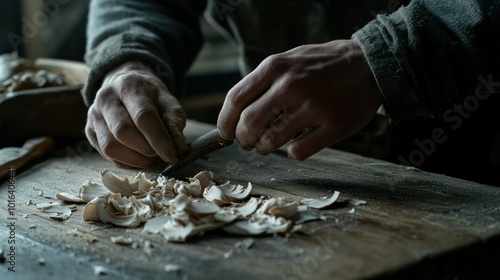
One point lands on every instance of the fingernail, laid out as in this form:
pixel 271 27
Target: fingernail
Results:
pixel 225 136
pixel 181 144
pixel 169 158
pixel 247 148
pixel 172 160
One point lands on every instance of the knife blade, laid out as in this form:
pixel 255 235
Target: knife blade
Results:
pixel 206 143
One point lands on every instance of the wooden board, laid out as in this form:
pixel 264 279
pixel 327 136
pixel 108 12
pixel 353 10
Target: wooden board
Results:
pixel 416 225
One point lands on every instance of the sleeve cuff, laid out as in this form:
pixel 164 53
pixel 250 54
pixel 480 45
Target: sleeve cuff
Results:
pixel 382 51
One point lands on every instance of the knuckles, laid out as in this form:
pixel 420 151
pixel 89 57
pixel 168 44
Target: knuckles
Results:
pixel 179 116
pixel 104 94
pixel 121 130
pixel 234 99
pixel 132 82
pixel 296 153
pixel 110 148
pixel 268 142
pixel 276 63
pixel 247 121
pixel 143 115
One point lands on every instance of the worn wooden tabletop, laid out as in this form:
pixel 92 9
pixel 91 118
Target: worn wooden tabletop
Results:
pixel 415 225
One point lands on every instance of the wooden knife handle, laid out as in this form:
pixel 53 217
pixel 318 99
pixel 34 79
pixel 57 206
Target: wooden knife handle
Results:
pixel 32 149
pixel 203 145
pixel 37 147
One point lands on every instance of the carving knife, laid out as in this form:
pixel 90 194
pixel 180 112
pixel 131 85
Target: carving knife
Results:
pixel 207 143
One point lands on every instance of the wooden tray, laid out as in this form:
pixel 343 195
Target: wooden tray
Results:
pixel 58 112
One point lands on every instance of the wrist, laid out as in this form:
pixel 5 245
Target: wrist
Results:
pixel 127 67
pixel 358 58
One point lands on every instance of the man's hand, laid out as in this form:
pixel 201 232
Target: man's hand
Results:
pixel 135 118
pixel 327 89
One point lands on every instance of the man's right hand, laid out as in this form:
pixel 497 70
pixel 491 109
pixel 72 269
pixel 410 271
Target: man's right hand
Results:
pixel 135 118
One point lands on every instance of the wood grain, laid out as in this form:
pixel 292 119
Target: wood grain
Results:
pixel 416 225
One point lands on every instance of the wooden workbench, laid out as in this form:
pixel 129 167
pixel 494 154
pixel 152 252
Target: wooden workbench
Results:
pixel 415 225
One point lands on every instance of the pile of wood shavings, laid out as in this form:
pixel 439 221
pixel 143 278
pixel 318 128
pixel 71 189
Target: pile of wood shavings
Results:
pixel 181 209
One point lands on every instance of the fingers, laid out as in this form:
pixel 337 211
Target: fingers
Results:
pixel 278 133
pixel 269 122
pixel 175 125
pixel 135 118
pixel 174 118
pixel 328 88
pixel 120 124
pixel 312 142
pixel 258 111
pixel 109 147
pixel 249 89
pixel 156 114
pixel 146 118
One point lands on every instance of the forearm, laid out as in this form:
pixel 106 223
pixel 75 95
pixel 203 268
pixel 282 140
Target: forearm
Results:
pixel 428 55
pixel 164 35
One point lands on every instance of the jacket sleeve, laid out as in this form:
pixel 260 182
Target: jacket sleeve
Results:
pixel 432 54
pixel 163 34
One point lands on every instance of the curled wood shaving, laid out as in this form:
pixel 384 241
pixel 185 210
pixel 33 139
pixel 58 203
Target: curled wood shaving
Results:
pixel 118 210
pixel 178 210
pixel 87 191
pixel 227 193
pixel 322 203
pixel 55 210
pixel 154 225
pixel 123 185
pixel 64 196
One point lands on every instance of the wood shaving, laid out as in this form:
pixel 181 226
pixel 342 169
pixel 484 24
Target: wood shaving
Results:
pixel 178 210
pixel 100 270
pixel 154 225
pixel 73 232
pixel 148 248
pixel 170 267
pixel 68 197
pixel 228 254
pixel 322 203
pixel 122 240
pixel 356 202
pixel 72 207
pixel 46 205
pixel 55 210
pixel 245 243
